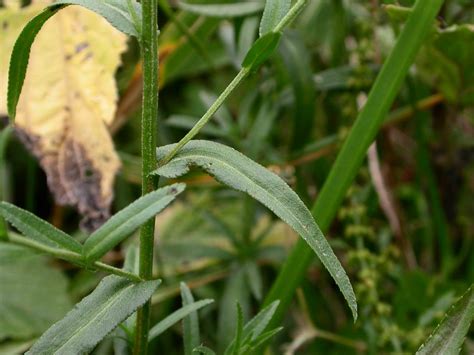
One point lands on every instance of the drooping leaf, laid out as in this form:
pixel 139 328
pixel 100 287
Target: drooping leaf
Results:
pixel 175 317
pixel 223 10
pixel 113 300
pixel 125 222
pixel 67 99
pixel 261 50
pixel 35 228
pixel 449 336
pixel 28 282
pixel 274 11
pixel 191 337
pixel 241 173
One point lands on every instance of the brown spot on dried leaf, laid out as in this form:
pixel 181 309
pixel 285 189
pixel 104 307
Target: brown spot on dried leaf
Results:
pixel 68 100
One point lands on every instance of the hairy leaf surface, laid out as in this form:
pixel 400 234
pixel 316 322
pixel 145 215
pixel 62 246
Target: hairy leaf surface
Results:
pixel 122 224
pixel 94 317
pixel 241 173
pixel 35 228
pixel 449 336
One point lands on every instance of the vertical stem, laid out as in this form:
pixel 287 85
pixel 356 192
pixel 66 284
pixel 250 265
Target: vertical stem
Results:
pixel 149 50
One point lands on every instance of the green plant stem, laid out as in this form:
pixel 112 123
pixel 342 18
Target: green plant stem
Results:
pixel 241 75
pixel 352 154
pixel 291 15
pixel 70 256
pixel 149 50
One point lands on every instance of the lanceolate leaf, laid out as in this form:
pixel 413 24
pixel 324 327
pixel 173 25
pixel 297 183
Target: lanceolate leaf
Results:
pixel 36 228
pixel 241 173
pixel 261 50
pixel 223 10
pixel 115 11
pixel 274 11
pixel 94 317
pixel 121 225
pixel 175 317
pixel 20 57
pixel 448 337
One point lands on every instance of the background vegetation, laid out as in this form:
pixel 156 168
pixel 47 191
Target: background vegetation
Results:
pixel 404 233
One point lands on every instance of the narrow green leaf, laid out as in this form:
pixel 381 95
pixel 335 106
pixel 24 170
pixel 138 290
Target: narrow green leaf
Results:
pixel 241 173
pixel 264 337
pixel 175 317
pixel 36 228
pixel 223 10
pixel 125 222
pixel 94 317
pixel 255 327
pixel 449 336
pixel 115 11
pixel 257 324
pixel 191 335
pixel 239 331
pixel 273 13
pixel 203 350
pixel 354 150
pixel 20 56
pixel 261 50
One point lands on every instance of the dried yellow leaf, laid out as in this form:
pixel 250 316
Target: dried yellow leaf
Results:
pixel 68 100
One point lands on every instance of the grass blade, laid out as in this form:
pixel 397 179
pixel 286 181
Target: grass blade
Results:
pixel 122 224
pixel 37 229
pixel 354 149
pixel 241 173
pixel 175 317
pixel 94 317
pixel 449 336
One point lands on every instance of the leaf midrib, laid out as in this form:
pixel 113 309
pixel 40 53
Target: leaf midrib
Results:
pixel 105 307
pixel 248 178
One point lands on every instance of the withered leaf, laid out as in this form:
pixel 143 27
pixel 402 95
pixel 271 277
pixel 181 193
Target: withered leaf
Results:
pixel 67 103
